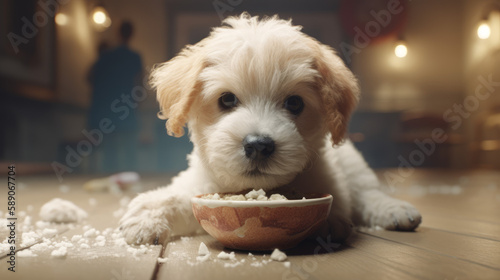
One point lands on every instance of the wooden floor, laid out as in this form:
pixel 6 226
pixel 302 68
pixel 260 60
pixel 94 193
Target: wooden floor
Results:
pixel 458 239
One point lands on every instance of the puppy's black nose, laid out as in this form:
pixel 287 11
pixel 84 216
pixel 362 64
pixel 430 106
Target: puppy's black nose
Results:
pixel 258 147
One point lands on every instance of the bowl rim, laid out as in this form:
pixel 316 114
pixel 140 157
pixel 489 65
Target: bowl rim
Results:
pixel 211 203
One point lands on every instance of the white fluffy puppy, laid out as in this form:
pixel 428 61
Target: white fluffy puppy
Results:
pixel 266 106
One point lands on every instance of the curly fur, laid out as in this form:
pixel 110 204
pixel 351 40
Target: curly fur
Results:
pixel 262 61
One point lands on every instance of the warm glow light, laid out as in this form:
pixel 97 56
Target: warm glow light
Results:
pixel 99 17
pixel 401 50
pixel 61 19
pixel 484 31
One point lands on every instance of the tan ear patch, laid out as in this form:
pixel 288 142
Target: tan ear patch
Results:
pixel 177 86
pixel 338 89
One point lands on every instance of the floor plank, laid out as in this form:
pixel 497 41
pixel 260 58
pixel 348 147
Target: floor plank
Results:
pixel 467 248
pixel 421 263
pixel 461 226
pixel 342 263
pixel 108 260
pixel 458 239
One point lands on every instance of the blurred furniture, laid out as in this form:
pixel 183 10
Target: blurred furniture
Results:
pixel 485 147
pixel 418 127
pixel 372 133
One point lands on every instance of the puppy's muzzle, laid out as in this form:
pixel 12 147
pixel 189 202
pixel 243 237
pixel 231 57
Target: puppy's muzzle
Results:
pixel 258 147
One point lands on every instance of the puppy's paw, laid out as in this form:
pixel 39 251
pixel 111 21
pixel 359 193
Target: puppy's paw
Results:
pixel 338 228
pixel 394 214
pixel 143 223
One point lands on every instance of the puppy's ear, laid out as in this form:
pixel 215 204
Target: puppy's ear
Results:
pixel 338 89
pixel 177 86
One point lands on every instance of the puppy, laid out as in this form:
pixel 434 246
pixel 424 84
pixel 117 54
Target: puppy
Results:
pixel 266 106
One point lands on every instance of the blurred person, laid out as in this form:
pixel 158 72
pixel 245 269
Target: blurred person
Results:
pixel 113 77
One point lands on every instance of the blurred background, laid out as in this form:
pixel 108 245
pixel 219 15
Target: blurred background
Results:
pixel 75 98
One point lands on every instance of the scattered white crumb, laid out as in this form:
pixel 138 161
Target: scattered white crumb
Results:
pixel 203 258
pixel 49 232
pixel 186 238
pixel 76 238
pixel 62 211
pixel 226 256
pixel 100 238
pixel 256 264
pixel 40 247
pixel 84 246
pixel 203 250
pixel 137 251
pixel 26 253
pixel 100 241
pixel 90 233
pixel 62 252
pixel 277 196
pixel 162 260
pixel 63 244
pixel 83 240
pixel 287 264
pixel 254 194
pixel 29 238
pixel 278 255
pixel 120 242
pixel 107 231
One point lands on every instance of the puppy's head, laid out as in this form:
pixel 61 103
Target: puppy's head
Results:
pixel 258 97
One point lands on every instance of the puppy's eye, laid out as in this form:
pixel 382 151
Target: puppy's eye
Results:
pixel 294 104
pixel 228 100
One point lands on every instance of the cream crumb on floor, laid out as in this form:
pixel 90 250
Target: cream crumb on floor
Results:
pixel 278 255
pixel 29 238
pixel 203 258
pixel 226 256
pixel 26 253
pixel 253 195
pixel 62 252
pixel 49 232
pixel 162 260
pixel 203 250
pixel 90 233
pixel 62 211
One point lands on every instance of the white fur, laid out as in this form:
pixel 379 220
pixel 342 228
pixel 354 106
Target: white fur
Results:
pixel 262 63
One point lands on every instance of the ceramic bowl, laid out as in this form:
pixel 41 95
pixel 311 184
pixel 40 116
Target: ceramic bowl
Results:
pixel 262 225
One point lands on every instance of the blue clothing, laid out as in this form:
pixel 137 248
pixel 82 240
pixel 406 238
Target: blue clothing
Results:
pixel 114 74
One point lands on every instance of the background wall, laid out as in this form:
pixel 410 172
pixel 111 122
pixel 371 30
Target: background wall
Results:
pixel 443 67
pixel 482 62
pixel 431 76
